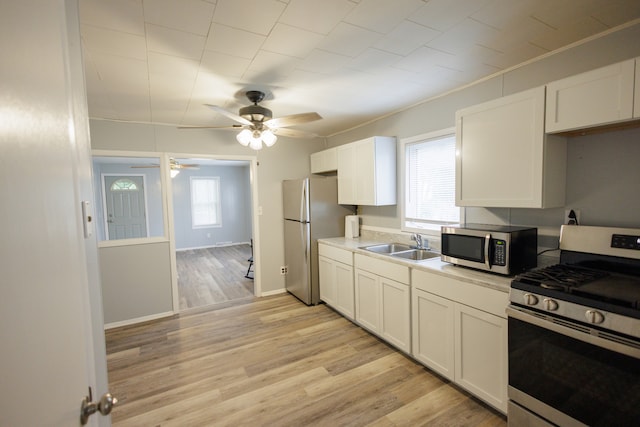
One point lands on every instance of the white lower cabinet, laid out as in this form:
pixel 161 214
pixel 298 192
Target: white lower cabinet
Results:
pixel 433 329
pixel 335 271
pixel 481 356
pixel 460 331
pixel 383 300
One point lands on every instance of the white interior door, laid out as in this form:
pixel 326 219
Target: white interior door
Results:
pixel 46 330
pixel 125 205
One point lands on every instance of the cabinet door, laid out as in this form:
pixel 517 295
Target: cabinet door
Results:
pixel 365 161
pixel 501 146
pixel 327 280
pixel 481 355
pixel 396 317
pixel 589 99
pixel 433 329
pixel 346 175
pixel 324 161
pixel 367 300
pixel 345 303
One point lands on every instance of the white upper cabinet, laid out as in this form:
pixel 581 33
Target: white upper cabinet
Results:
pixel 636 96
pixel 505 159
pixel 594 98
pixel 324 161
pixel 367 172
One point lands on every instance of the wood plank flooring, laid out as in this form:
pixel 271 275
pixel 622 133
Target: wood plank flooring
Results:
pixel 274 361
pixel 213 275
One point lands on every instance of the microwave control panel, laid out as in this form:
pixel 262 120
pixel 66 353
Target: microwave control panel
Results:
pixel 499 252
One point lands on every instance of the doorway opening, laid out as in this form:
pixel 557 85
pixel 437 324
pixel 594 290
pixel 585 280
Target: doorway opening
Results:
pixel 212 223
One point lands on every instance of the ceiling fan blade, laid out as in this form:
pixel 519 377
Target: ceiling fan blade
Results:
pixel 293 133
pixel 294 119
pixel 210 127
pixel 229 114
pixel 181 166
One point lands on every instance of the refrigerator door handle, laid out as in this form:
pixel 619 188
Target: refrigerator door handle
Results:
pixel 304 202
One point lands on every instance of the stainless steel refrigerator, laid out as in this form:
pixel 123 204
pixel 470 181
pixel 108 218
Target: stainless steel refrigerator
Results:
pixel 311 212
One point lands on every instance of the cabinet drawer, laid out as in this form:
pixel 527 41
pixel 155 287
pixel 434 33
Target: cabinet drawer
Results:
pixel 485 299
pixel 387 269
pixel 337 254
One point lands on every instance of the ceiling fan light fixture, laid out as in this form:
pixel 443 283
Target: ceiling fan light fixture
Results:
pixel 268 138
pixel 244 137
pixel 256 141
pixel 174 172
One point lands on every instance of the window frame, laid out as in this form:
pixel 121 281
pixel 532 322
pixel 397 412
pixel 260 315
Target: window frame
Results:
pixel 428 228
pixel 218 207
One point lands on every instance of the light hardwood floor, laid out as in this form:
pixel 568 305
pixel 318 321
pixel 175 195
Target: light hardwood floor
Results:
pixel 213 275
pixel 274 361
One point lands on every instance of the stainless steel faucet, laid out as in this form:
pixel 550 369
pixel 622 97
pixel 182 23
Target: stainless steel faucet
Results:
pixel 418 239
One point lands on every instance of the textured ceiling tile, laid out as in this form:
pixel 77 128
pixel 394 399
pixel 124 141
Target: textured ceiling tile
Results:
pixel 382 16
pixel 349 40
pixel 223 64
pixel 318 16
pixel 172 66
pixel 269 67
pixel 232 41
pixel 263 16
pixel 406 37
pixel 463 36
pixel 374 61
pixel 193 16
pixel 320 61
pixel 616 12
pixel 174 42
pixel 444 14
pixel 119 15
pixel 291 41
pixel 503 13
pixel 568 34
pixel 100 40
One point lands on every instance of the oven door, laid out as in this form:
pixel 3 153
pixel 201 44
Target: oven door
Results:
pixel 570 374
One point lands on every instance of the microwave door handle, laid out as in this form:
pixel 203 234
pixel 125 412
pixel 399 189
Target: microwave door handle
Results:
pixel 487 239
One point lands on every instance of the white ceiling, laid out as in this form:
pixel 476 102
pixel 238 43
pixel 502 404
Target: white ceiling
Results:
pixel 159 61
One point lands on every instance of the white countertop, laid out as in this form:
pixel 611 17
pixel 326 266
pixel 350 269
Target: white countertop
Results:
pixel 434 265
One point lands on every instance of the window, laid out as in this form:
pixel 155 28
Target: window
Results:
pixel 124 184
pixel 205 202
pixel 429 181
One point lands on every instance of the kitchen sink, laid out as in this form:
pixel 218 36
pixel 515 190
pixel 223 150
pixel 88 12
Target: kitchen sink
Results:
pixel 416 254
pixel 388 248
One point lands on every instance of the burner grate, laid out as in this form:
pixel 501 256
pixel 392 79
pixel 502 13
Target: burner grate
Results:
pixel 561 277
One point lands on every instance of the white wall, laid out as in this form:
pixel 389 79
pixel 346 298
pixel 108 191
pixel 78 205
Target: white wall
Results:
pixel 602 180
pixel 287 159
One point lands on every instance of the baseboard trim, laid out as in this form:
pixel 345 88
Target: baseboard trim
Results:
pixel 142 319
pixel 221 245
pixel 276 292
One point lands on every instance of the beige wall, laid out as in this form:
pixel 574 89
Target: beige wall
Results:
pixel 592 160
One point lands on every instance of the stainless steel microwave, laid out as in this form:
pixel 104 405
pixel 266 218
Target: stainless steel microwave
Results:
pixel 498 249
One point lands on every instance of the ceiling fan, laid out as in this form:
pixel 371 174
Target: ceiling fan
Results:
pixel 259 126
pixel 174 166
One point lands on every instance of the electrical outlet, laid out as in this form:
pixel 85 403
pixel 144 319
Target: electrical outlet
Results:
pixel 572 216
pixel 283 270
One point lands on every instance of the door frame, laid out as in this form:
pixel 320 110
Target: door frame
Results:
pixel 104 200
pixel 255 227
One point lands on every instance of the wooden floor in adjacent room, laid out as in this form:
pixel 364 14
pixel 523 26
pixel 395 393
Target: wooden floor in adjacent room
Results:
pixel 213 275
pixel 274 361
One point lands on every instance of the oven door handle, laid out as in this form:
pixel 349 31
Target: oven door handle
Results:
pixel 577 331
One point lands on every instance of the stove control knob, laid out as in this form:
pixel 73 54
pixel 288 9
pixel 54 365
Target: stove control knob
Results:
pixel 530 299
pixel 594 316
pixel 549 304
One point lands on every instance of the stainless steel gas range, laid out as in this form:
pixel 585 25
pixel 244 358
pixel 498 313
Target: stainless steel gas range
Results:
pixel 574 334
